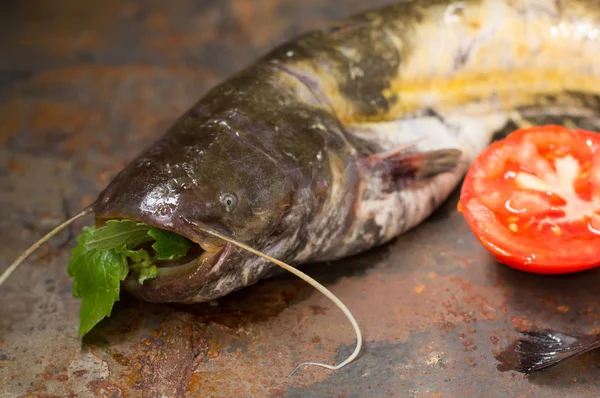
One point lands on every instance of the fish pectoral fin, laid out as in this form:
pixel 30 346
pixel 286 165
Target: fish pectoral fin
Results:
pixel 417 165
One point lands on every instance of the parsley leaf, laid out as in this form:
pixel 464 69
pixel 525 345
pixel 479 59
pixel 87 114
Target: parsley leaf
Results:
pixel 168 245
pixel 118 233
pixel 97 275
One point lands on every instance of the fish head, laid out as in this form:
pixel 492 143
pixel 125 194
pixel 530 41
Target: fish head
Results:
pixel 209 174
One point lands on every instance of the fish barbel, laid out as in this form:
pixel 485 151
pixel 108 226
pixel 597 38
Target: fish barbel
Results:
pixel 345 137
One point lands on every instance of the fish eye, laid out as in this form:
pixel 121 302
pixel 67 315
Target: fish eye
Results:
pixel 228 201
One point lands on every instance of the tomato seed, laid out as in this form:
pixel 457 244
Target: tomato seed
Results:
pixel 513 227
pixel 557 231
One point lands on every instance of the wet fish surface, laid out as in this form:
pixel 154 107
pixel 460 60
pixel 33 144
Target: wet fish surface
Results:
pixel 346 137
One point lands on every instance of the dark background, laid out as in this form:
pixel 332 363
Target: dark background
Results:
pixel 84 86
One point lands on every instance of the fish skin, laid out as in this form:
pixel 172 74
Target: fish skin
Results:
pixel 289 134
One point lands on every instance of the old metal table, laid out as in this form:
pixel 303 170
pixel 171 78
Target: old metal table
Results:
pixel 86 85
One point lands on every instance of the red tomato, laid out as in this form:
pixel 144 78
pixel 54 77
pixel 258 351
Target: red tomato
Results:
pixel 533 199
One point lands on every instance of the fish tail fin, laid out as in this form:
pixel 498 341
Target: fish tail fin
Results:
pixel 544 349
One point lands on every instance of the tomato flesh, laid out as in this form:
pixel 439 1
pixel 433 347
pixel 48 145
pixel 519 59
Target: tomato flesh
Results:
pixel 533 199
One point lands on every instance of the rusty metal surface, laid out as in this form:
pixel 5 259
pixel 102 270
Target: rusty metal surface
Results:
pixel 83 87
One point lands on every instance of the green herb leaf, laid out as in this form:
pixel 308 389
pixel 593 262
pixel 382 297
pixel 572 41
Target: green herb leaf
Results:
pixel 96 280
pixel 103 258
pixel 119 233
pixel 169 245
pixel 147 273
pixel 136 256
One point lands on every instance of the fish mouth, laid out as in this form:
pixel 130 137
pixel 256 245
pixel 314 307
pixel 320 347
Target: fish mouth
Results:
pixel 181 280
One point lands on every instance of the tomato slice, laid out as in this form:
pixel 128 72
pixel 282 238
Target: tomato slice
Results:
pixel 533 199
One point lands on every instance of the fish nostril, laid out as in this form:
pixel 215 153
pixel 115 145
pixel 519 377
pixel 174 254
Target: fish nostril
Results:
pixel 165 211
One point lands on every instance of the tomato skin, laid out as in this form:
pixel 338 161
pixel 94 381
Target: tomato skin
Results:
pixel 528 250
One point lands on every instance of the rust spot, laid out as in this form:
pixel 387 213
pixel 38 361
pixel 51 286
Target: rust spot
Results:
pixel 507 357
pixel 213 349
pixel 248 16
pixel 120 359
pixel 562 309
pixel 13 166
pixel 468 343
pixel 11 120
pixel 210 383
pixel 521 323
pixel 80 372
pixel 446 327
pixel 47 254
pixel 104 388
pixel 318 310
pixel 161 364
pixel 52 116
pixel 47 374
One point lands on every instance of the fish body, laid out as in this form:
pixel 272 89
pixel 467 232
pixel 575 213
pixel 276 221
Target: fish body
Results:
pixel 346 137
